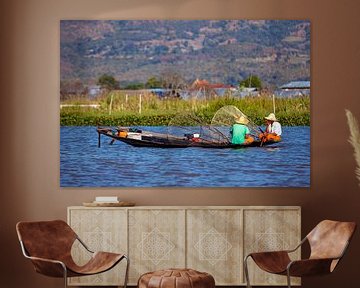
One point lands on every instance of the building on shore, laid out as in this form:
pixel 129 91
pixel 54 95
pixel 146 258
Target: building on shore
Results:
pixel 294 89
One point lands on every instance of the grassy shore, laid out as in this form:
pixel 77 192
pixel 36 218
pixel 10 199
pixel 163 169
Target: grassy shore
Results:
pixel 121 110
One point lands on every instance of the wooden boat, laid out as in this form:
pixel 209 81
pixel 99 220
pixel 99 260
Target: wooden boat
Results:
pixel 140 138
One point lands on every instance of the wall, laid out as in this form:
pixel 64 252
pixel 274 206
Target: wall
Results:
pixel 29 112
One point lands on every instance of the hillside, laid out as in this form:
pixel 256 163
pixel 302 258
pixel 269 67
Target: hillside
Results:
pixel 224 51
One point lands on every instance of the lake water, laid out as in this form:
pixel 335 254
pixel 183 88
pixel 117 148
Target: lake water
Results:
pixel 83 164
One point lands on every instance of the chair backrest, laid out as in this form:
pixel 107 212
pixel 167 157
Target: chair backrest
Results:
pixel 46 239
pixel 329 239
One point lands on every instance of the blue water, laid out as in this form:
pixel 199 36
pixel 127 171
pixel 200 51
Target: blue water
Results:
pixel 83 164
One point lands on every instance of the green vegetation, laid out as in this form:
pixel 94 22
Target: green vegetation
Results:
pixel 252 81
pixel 108 82
pixel 153 82
pixel 134 86
pixel 158 112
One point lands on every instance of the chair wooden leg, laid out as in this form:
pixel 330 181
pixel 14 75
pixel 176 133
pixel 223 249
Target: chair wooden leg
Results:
pixel 246 270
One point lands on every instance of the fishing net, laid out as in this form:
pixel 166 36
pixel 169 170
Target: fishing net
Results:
pixel 189 126
pixel 225 117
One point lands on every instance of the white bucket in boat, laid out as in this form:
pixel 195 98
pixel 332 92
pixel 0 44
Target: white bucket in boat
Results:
pixel 134 135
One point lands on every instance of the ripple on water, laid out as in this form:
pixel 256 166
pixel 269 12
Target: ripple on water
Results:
pixel 82 164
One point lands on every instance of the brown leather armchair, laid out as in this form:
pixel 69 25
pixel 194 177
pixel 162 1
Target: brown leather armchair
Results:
pixel 328 242
pixel 48 245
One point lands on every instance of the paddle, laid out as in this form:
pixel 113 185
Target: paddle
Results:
pixel 99 140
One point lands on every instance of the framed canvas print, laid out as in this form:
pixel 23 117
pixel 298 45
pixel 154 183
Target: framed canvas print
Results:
pixel 187 103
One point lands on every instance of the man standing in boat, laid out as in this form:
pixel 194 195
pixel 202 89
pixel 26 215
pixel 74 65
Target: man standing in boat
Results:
pixel 273 129
pixel 240 133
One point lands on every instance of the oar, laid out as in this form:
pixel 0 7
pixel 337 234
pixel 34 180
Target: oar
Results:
pixel 262 141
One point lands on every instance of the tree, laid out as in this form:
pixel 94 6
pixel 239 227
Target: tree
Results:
pixel 153 82
pixel 134 86
pixel 73 87
pixel 108 82
pixel 172 80
pixel 252 81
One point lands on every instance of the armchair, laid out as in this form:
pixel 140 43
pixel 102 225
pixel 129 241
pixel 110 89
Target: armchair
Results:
pixel 328 242
pixel 48 245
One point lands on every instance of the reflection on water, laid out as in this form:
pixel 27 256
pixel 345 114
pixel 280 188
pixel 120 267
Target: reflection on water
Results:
pixel 83 164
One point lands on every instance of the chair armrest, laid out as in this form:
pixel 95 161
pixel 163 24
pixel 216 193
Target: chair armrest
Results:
pixel 48 267
pixel 281 251
pixel 271 261
pixel 309 267
pixel 268 253
pixel 298 246
pixel 46 260
pixel 84 245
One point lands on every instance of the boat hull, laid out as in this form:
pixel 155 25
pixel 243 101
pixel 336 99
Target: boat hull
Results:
pixel 165 141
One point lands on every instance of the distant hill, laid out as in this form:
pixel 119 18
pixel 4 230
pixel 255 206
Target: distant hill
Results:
pixel 224 51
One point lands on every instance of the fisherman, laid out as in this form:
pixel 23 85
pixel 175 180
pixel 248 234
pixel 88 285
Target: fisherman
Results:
pixel 273 129
pixel 240 133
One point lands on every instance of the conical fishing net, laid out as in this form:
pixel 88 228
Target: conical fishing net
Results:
pixel 225 118
pixel 189 126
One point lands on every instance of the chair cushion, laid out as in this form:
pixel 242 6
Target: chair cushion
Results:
pixel 176 278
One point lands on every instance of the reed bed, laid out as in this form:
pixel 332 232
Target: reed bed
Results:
pixel 150 110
